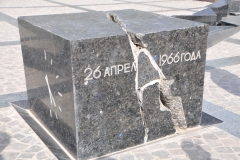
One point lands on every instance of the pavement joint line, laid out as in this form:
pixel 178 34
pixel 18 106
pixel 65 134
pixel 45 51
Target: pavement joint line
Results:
pixel 9 43
pixel 71 6
pixel 8 19
pixel 156 5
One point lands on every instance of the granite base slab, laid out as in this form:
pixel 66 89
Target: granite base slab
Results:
pixel 231 20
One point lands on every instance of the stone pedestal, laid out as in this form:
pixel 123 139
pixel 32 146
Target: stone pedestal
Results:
pixel 101 82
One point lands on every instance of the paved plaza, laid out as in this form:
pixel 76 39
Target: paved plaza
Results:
pixel 221 88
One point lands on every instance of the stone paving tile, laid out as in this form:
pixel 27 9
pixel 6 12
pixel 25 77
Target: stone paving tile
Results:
pixel 144 156
pixel 19 141
pixel 8 32
pixel 9 155
pixel 26 155
pixel 236 149
pixel 16 147
pixel 172 145
pixel 22 4
pixel 224 150
pixel 12 78
pixel 40 11
pixel 187 148
pixel 124 6
pixel 34 148
pixel 91 2
pixel 175 152
pixel 161 154
pixel 229 157
pixel 126 157
pixel 210 136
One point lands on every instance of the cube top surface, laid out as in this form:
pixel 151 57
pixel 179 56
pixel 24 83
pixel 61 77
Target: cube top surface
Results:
pixel 79 26
pixel 145 22
pixel 76 26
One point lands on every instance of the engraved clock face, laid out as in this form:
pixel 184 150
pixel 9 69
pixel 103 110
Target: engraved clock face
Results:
pixel 54 105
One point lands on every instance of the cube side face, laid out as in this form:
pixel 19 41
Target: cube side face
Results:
pixel 181 54
pixel 103 100
pixel 108 115
pixel 48 75
pixel 179 48
pixel 221 12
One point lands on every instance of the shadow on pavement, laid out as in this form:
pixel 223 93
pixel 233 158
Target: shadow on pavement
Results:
pixel 230 119
pixel 208 120
pixel 229 82
pixel 4 142
pixel 12 97
pixel 194 151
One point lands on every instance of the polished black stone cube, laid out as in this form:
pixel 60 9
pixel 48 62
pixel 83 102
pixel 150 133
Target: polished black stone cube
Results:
pixel 101 82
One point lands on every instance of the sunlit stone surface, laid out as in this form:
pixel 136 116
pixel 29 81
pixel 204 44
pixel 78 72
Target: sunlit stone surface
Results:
pixel 102 82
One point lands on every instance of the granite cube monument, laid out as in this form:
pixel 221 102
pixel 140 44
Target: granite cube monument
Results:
pixel 104 81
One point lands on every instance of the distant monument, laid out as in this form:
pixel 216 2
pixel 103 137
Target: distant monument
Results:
pixel 104 81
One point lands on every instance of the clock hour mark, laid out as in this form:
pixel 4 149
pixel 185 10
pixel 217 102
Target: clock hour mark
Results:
pixel 57 76
pixel 50 92
pixel 51 61
pixel 60 108
pixel 45 54
pixel 56 115
pixel 50 112
pixel 59 94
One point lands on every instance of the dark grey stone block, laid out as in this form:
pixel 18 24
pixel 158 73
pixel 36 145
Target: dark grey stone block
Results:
pixel 86 85
pixel 235 6
pixel 206 15
pixel 220 8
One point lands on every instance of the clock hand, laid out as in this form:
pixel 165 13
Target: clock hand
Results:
pixel 50 92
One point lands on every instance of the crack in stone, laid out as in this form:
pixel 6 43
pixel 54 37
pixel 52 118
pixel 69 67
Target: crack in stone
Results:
pixel 167 101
